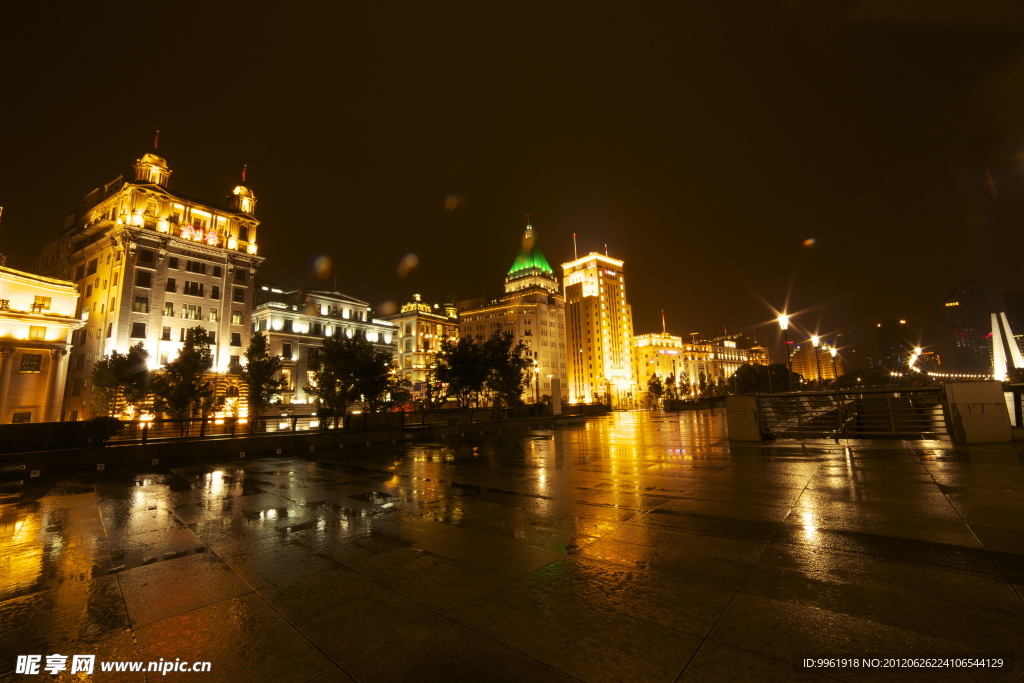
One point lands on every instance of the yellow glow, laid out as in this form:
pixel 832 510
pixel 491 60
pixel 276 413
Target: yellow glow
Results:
pixel 784 321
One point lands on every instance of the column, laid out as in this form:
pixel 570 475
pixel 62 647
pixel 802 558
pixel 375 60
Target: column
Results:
pixel 6 361
pixel 55 385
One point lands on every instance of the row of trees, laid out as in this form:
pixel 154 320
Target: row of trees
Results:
pixel 184 389
pixel 342 372
pixel 747 379
pixel 474 372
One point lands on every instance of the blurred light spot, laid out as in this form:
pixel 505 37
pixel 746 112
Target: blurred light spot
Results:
pixel 408 264
pixel 810 242
pixel 323 265
pixel 387 308
pixel 455 201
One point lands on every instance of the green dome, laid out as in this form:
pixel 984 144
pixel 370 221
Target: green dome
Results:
pixel 530 259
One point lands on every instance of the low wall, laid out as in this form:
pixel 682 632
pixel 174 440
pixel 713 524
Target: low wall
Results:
pixel 185 451
pixel 977 412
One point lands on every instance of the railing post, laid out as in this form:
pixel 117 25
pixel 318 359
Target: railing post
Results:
pixel 295 423
pixel 234 421
pixel 145 433
pixel 1016 408
pixel 202 428
pixel 892 418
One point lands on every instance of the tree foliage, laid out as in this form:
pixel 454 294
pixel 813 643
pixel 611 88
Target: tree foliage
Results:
pixel 655 388
pixel 260 376
pixel 472 370
pixel 336 366
pixel 120 377
pixel 763 379
pixel 183 390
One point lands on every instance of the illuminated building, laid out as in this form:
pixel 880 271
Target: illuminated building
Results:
pixel 599 331
pixel 37 317
pixel 297 321
pixel 758 354
pixel 806 365
pixel 419 330
pixel 149 264
pixel 893 346
pixel 533 310
pixel 667 354
pixel 968 308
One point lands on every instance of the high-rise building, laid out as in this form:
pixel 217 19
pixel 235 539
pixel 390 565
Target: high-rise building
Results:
pixel 969 312
pixel 813 362
pixel 893 345
pixel 599 327
pixel 419 330
pixel 533 310
pixel 37 317
pixel 149 264
pixel 298 321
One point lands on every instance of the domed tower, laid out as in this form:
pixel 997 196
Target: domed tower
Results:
pixel 530 268
pixel 152 169
pixel 243 200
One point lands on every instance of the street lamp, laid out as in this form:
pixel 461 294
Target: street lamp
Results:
pixel 835 373
pixel 536 382
pixel 817 361
pixel 784 324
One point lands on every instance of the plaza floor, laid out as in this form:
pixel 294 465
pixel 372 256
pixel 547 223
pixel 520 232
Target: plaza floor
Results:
pixel 635 547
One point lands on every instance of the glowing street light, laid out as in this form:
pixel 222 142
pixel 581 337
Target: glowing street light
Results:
pixel 817 360
pixel 835 373
pixel 784 324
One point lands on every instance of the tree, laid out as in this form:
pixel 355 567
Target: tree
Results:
pixel 182 390
pixel 120 377
pixel 509 366
pixel 670 387
pixel 260 376
pixel 462 368
pixel 655 388
pixel 378 387
pixel 337 367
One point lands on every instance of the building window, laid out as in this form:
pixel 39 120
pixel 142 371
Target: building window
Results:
pixel 31 362
pixel 195 267
pixel 216 271
pixel 141 305
pixel 138 331
pixel 117 277
pixel 169 309
pixel 318 329
pixel 91 269
pixel 36 333
pixel 193 288
pixel 110 330
pixel 243 233
pixel 172 262
pixel 236 338
pixel 239 275
pixel 239 295
pixel 21 418
pixel 79 273
pixel 286 351
pixel 181 335
pixel 191 312
pixel 236 317
pixel 166 336
pixel 213 315
pixel 212 337
pixel 42 303
pixel 172 286
pixel 215 292
pixel 234 365
pixel 143 278
pixel 79 361
pixel 146 256
pixel 288 325
pixel 88 291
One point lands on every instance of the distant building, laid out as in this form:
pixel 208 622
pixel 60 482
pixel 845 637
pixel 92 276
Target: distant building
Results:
pixel 419 330
pixel 533 310
pixel 149 264
pixel 37 317
pixel 658 353
pixel 714 360
pixel 298 321
pixel 893 347
pixel 808 360
pixel 969 309
pixel 599 332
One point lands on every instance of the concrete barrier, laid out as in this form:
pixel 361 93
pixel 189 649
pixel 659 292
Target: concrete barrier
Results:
pixel 977 413
pixel 743 418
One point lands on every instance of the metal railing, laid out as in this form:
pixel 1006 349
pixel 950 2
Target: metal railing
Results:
pixel 913 413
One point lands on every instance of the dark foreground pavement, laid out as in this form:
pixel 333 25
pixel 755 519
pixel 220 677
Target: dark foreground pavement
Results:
pixel 633 548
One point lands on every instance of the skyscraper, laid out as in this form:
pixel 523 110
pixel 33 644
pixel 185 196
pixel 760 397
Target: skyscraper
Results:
pixel 599 326
pixel 969 309
pixel 533 310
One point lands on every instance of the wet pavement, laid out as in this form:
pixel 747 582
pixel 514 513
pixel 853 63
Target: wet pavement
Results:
pixel 635 547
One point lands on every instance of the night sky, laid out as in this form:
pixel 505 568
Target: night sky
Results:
pixel 703 142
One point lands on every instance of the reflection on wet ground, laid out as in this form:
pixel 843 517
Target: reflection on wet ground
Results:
pixel 636 547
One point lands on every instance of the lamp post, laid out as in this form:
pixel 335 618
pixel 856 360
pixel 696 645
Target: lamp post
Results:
pixel 817 359
pixel 835 372
pixel 536 383
pixel 784 324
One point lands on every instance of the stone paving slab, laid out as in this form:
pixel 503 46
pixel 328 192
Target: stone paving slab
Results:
pixel 634 547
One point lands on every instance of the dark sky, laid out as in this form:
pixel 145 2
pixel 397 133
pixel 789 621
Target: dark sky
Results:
pixel 704 142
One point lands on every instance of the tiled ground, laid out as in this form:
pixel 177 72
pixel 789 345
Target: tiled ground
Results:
pixel 637 547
